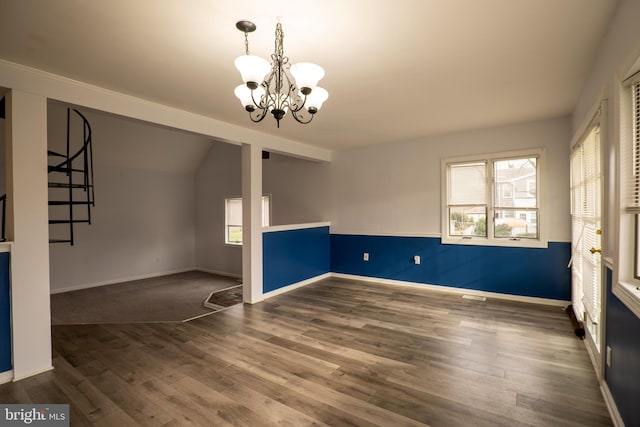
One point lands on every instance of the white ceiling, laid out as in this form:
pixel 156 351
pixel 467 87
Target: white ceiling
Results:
pixel 395 70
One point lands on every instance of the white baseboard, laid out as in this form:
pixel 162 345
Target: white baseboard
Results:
pixel 219 273
pixel 611 405
pixel 295 286
pixel 6 377
pixel 31 374
pixel 119 280
pixel 439 288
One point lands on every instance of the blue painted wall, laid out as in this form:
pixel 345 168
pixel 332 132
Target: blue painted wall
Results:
pixel 5 314
pixel 623 377
pixel 294 255
pixel 531 272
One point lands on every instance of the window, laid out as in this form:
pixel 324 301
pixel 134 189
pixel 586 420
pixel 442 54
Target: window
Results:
pixel 233 219
pixel 586 219
pixel 492 201
pixel 467 199
pixel 634 187
pixel 626 284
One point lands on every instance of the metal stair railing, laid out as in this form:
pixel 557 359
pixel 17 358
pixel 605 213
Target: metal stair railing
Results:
pixel 69 166
pixel 3 200
pixel 66 166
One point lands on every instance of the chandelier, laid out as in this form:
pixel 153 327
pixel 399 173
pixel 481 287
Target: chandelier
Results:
pixel 268 88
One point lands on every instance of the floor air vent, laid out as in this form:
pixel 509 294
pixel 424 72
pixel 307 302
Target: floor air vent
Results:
pixel 474 297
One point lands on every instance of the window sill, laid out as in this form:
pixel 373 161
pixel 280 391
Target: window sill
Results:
pixel 629 295
pixel 233 245
pixel 478 241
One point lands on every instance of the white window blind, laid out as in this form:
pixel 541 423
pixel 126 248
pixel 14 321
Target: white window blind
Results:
pixel 467 199
pixel 585 220
pixel 630 156
pixel 233 218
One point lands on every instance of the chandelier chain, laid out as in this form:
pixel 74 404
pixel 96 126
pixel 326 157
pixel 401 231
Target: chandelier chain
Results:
pixel 279 49
pixel 246 43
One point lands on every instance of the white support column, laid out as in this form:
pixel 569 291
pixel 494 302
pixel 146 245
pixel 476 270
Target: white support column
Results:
pixel 252 223
pixel 27 227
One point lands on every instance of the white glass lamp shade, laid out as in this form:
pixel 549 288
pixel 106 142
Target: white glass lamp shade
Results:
pixel 307 75
pixel 252 68
pixel 315 99
pixel 244 95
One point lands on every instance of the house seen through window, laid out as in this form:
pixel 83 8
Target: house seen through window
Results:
pixel 493 199
pixel 233 219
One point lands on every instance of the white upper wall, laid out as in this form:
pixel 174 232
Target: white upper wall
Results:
pixel 218 177
pixel 3 178
pixel 299 189
pixel 619 50
pixel 395 188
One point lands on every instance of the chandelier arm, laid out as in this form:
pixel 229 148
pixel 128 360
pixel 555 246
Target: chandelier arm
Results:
pixel 302 119
pixel 258 117
pixel 256 104
pixel 296 106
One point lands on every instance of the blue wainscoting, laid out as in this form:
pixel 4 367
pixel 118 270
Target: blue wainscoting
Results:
pixel 623 377
pixel 292 256
pixel 533 272
pixel 5 314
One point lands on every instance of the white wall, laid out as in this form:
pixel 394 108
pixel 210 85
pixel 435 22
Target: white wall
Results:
pixel 395 188
pixel 144 220
pixel 618 53
pixel 218 177
pixel 3 178
pixel 299 189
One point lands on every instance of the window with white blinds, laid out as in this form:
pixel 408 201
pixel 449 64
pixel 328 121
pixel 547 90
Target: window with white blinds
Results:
pixel 630 157
pixel 233 219
pixel 585 224
pixel 627 280
pixel 493 199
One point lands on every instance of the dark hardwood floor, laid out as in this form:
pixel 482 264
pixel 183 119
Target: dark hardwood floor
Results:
pixel 333 353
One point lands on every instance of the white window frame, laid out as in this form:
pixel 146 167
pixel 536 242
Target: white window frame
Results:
pixel 488 159
pixel 266 217
pixel 626 284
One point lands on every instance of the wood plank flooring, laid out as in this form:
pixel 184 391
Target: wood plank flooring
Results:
pixel 337 353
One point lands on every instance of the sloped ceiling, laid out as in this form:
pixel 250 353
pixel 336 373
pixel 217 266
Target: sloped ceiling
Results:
pixel 395 70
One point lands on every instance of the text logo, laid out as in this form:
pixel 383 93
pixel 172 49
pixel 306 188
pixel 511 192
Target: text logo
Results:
pixel 34 415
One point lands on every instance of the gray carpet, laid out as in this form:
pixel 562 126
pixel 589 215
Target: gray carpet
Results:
pixel 172 298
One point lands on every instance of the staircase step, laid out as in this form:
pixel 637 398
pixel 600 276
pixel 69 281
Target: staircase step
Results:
pixel 54 154
pixel 59 241
pixel 64 169
pixel 67 203
pixel 66 185
pixel 66 221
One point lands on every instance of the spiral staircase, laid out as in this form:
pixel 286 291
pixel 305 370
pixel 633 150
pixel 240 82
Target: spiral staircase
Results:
pixel 71 188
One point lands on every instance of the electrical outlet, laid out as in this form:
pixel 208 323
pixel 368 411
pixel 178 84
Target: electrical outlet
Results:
pixel 365 256
pixel 609 351
pixel 416 259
